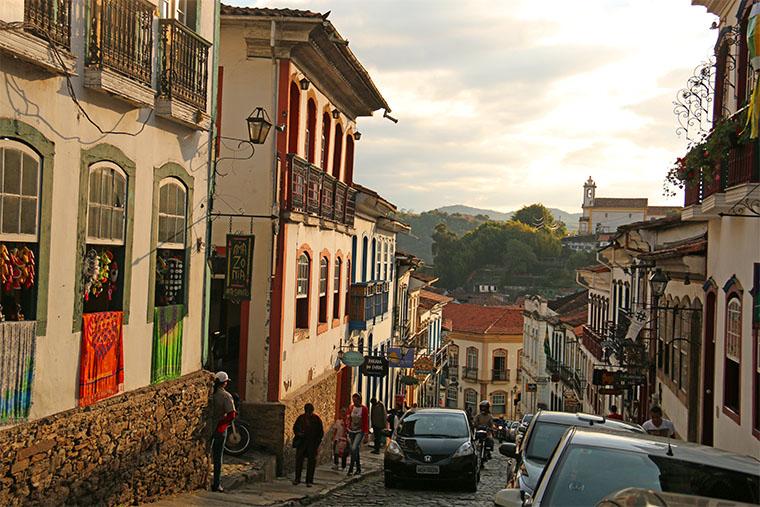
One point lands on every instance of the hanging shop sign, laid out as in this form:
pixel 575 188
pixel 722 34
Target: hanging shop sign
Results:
pixel 239 270
pixel 374 366
pixel 617 379
pixel 408 380
pixel 352 358
pixel 531 388
pixel 423 366
pixel 400 357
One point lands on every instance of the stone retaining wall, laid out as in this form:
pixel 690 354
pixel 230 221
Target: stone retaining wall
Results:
pixel 127 449
pixel 266 421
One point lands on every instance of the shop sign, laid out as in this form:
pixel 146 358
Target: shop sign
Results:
pixel 400 357
pixel 352 358
pixel 408 380
pixel 531 388
pixel 423 366
pixel 374 366
pixel 239 270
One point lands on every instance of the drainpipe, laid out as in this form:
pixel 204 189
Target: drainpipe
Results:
pixel 210 185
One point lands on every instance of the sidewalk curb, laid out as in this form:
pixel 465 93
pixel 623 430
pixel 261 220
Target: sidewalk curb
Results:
pixel 309 499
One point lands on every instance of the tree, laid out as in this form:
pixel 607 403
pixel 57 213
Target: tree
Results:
pixel 539 217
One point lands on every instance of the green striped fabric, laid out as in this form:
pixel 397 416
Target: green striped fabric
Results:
pixel 167 343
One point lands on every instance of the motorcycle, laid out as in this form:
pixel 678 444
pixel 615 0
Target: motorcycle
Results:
pixel 482 446
pixel 501 430
pixel 239 438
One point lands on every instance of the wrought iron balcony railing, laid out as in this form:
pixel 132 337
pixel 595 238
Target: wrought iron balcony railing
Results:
pixel 184 64
pixel 49 20
pixel 592 341
pixel 318 193
pixel 497 375
pixel 744 164
pixel 121 37
pixel 470 373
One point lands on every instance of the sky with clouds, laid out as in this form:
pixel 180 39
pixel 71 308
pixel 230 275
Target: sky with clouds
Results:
pixel 510 102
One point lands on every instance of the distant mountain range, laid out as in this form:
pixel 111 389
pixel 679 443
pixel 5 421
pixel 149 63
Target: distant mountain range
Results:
pixel 459 219
pixel 570 219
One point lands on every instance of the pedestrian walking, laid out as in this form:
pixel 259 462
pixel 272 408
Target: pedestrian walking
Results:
pixel 308 431
pixel 223 410
pixel 340 441
pixel 657 425
pixel 377 417
pixel 614 413
pixel 357 425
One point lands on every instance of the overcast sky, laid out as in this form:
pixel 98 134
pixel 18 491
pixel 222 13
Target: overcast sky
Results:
pixel 510 102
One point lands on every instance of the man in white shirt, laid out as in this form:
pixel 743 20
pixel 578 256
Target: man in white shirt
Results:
pixel 659 426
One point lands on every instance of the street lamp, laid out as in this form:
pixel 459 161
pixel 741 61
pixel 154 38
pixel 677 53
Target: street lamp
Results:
pixel 658 280
pixel 258 125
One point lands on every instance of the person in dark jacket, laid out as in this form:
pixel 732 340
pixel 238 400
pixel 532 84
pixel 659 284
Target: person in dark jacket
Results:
pixel 224 413
pixel 377 417
pixel 308 431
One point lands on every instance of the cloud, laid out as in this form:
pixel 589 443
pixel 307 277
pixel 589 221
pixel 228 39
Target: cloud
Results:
pixel 503 104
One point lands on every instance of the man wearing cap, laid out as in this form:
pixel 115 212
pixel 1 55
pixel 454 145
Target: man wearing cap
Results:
pixel 223 414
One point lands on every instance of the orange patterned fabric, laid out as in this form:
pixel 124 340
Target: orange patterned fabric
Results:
pixel 102 357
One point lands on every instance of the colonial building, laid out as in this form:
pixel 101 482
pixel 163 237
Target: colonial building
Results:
pixel 104 151
pixel 484 349
pixel 606 214
pixel 324 246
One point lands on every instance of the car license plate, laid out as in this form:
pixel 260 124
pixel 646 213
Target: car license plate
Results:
pixel 428 469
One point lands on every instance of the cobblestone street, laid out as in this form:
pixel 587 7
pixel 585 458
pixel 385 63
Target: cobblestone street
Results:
pixel 371 491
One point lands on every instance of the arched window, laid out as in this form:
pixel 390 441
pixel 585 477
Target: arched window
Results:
pixel 325 154
pixel 349 273
pixel 499 369
pixel 365 253
pixel 20 168
pixel 336 288
pixel 385 260
pixel 349 161
pixel 471 369
pixel 452 397
pixel 372 274
pixel 337 150
pixel 732 370
pixel 324 273
pixel 379 260
pixel 453 357
pixel 471 400
pixel 106 234
pixel 352 271
pixel 499 403
pixel 311 131
pixel 302 291
pixel 170 254
pixel 294 111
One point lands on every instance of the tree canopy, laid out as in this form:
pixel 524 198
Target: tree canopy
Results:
pixel 539 217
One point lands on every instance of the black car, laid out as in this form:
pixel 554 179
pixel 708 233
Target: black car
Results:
pixel 432 445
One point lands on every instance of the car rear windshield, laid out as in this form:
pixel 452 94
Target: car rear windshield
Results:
pixel 440 425
pixel 588 474
pixel 543 439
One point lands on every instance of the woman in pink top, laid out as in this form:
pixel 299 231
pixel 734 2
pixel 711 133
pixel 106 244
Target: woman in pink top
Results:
pixel 357 426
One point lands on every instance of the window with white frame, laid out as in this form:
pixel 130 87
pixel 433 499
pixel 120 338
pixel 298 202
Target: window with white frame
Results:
pixel 20 168
pixel 732 366
pixel 452 396
pixel 499 403
pixel 170 253
pixel 184 11
pixel 324 272
pixel 106 236
pixel 470 400
pixel 472 358
pixel 302 291
pixel 379 260
pixel 733 329
pixel 336 288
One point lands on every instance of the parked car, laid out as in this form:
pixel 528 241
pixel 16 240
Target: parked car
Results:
pixel 543 433
pixel 512 431
pixel 647 498
pixel 432 445
pixel 588 465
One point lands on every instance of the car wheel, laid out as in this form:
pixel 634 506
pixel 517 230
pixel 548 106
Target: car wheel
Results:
pixel 388 480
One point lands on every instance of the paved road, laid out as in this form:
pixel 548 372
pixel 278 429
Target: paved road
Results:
pixel 371 491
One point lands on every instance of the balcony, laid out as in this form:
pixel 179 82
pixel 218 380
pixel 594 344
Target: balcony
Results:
pixel 500 375
pixel 367 301
pixel 46 22
pixel 183 77
pixel 318 197
pixel 470 373
pixel 592 341
pixel 120 51
pixel 744 165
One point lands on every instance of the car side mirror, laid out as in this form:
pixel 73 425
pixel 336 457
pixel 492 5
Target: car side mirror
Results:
pixel 509 498
pixel 508 450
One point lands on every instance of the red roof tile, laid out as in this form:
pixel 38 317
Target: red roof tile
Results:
pixel 469 318
pixel 619 202
pixel 438 298
pixel 231 10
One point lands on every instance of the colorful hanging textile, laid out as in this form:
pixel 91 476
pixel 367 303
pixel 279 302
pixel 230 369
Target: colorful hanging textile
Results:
pixel 753 44
pixel 17 340
pixel 167 343
pixel 102 356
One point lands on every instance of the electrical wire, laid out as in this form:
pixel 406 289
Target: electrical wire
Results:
pixel 21 25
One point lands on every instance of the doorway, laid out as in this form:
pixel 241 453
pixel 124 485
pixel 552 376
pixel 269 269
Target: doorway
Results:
pixel 709 369
pixel 224 336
